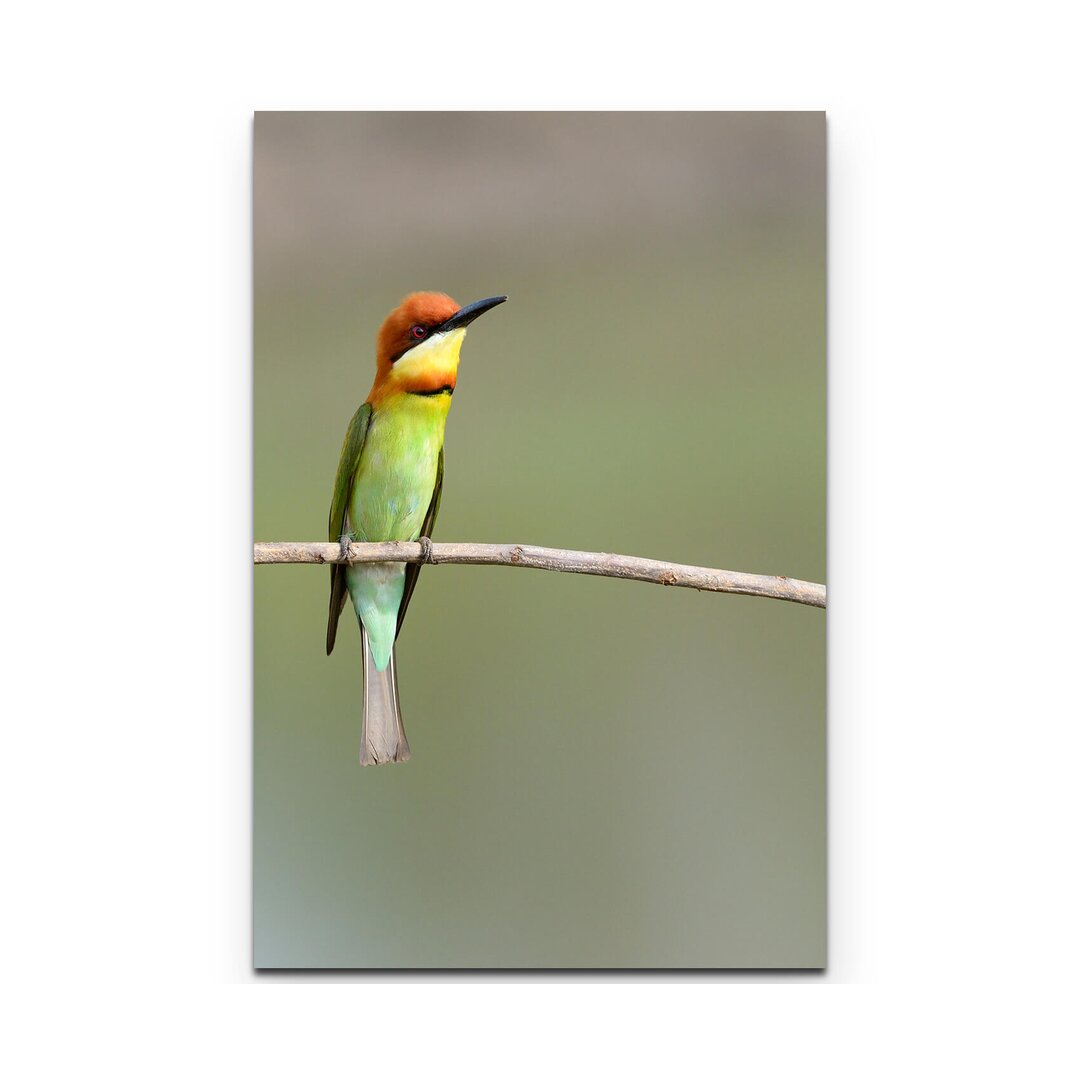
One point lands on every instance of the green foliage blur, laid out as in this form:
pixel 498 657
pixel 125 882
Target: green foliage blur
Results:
pixel 604 774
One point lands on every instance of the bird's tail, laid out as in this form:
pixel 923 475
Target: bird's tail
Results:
pixel 383 739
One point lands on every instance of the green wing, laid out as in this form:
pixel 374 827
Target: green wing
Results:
pixel 412 570
pixel 351 449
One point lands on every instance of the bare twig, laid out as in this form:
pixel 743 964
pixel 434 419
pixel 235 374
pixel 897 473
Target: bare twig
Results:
pixel 598 563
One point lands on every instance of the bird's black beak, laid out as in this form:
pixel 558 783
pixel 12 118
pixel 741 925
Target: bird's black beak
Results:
pixel 467 314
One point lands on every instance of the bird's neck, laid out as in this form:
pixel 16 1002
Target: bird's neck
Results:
pixel 428 371
pixel 419 409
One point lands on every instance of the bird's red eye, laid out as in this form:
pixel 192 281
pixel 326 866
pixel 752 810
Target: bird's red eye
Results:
pixel 418 332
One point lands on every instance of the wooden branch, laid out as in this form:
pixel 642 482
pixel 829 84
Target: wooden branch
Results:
pixel 597 563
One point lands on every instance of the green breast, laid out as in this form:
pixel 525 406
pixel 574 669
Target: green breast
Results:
pixel 398 467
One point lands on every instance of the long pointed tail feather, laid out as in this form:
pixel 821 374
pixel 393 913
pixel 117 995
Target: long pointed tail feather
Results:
pixel 383 738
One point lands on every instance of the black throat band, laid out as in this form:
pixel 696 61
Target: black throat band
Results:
pixel 433 393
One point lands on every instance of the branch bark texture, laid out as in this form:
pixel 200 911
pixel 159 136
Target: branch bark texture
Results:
pixel 596 563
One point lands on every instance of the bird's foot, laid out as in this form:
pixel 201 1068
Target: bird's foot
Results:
pixel 425 550
pixel 344 542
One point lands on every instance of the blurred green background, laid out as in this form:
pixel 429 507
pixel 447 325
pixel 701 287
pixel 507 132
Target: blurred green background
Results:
pixel 604 774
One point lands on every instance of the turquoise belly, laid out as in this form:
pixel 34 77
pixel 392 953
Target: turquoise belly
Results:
pixel 390 500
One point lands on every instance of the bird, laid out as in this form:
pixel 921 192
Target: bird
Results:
pixel 388 487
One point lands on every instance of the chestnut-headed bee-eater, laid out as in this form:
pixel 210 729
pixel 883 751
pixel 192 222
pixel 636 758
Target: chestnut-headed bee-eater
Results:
pixel 388 485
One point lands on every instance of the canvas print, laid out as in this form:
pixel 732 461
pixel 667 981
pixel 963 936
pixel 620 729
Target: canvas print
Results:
pixel 539 520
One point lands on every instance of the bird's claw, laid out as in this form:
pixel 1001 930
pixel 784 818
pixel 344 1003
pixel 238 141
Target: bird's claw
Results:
pixel 425 550
pixel 344 542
